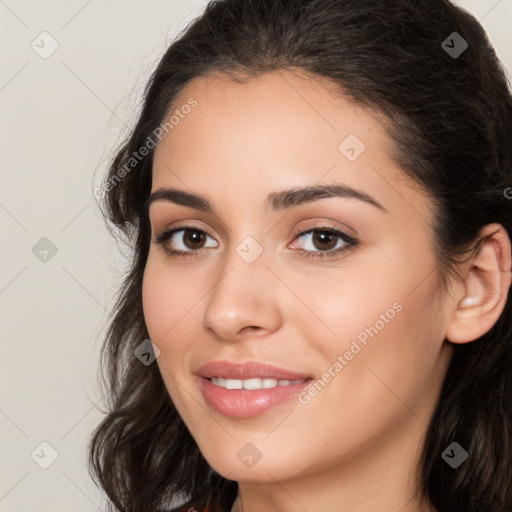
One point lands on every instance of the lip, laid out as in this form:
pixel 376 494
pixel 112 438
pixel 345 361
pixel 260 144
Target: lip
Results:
pixel 245 403
pixel 247 370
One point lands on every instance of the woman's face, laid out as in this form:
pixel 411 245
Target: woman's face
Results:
pixel 364 323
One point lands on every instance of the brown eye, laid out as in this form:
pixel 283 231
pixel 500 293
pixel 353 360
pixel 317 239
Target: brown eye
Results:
pixel 184 240
pixel 320 239
pixel 193 238
pixel 324 240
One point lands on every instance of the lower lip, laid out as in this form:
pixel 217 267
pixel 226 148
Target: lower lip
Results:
pixel 247 403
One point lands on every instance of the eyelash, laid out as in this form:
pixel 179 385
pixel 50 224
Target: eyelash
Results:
pixel 350 243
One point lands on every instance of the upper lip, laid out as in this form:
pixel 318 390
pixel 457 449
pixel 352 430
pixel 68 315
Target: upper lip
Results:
pixel 247 370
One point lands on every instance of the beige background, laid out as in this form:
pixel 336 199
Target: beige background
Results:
pixel 61 118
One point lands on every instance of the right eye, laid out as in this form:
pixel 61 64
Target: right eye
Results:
pixel 189 242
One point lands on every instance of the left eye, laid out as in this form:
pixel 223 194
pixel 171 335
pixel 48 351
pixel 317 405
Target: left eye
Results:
pixel 322 240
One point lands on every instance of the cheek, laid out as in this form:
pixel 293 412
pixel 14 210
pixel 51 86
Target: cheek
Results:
pixel 382 315
pixel 347 300
pixel 168 304
pixel 385 380
pixel 167 299
pixel 156 302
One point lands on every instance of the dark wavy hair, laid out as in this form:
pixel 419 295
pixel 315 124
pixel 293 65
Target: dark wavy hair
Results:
pixel 450 117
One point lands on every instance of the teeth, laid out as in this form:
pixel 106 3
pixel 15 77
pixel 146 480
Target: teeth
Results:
pixel 252 383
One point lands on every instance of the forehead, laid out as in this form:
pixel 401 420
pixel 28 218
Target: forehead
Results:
pixel 282 107
pixel 279 129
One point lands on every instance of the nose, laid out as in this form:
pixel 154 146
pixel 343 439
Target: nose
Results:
pixel 243 301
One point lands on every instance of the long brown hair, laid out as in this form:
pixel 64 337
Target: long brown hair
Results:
pixel 450 117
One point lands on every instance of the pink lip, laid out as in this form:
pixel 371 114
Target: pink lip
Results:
pixel 245 403
pixel 247 370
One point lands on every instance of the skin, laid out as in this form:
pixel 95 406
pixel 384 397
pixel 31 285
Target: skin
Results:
pixel 355 445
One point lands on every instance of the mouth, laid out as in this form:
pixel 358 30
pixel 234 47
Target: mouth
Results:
pixel 248 370
pixel 254 383
pixel 248 389
pixel 249 398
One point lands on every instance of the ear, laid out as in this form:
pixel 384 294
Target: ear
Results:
pixel 481 297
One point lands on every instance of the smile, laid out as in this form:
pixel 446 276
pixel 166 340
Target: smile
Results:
pixel 252 383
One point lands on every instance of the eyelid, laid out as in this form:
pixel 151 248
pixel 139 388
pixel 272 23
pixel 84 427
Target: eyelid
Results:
pixel 299 231
pixel 320 224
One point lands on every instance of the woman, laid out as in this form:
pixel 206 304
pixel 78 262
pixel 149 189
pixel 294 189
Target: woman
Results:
pixel 318 312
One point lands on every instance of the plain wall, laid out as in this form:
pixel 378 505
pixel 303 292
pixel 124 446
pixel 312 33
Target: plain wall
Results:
pixel 62 117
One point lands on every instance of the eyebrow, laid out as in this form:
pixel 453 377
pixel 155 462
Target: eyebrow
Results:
pixel 275 201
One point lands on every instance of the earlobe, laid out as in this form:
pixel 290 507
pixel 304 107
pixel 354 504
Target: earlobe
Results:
pixel 485 289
